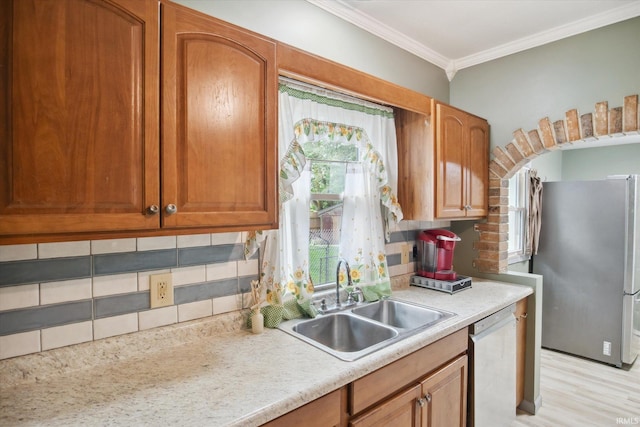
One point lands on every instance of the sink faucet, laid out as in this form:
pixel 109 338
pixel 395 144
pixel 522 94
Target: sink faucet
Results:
pixel 349 283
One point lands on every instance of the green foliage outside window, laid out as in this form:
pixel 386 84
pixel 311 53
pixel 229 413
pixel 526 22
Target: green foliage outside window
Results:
pixel 328 167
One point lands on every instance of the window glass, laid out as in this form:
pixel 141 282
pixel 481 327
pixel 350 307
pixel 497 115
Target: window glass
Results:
pixel 328 163
pixel 518 215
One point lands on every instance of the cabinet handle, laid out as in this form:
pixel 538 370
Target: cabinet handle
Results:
pixel 424 400
pixel 171 209
pixel 522 316
pixel 153 209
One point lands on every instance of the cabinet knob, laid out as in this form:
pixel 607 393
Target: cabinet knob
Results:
pixel 171 209
pixel 424 400
pixel 153 209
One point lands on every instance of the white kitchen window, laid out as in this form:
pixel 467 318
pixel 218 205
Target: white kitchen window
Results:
pixel 328 163
pixel 338 174
pixel 519 215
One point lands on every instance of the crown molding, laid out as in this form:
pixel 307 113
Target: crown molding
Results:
pixel 571 29
pixel 452 65
pixel 377 28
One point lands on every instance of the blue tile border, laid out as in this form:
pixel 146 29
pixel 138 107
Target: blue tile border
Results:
pixel 205 290
pixel 35 318
pixel 116 305
pixel 244 283
pixel 403 236
pixel 129 262
pixel 15 321
pixel 210 254
pixel 16 273
pixel 44 270
pixel 13 273
pixel 394 259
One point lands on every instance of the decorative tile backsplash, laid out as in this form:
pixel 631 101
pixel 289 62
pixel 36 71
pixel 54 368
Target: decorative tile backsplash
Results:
pixel 59 294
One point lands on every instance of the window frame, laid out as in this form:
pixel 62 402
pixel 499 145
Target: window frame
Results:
pixel 519 187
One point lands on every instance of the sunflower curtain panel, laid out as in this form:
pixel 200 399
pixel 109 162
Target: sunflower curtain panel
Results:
pixel 337 189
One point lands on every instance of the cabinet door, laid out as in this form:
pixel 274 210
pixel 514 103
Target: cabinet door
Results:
pixel 477 179
pixel 521 348
pixel 446 395
pixel 401 410
pixel 450 162
pixel 79 125
pixel 219 98
pixel 415 166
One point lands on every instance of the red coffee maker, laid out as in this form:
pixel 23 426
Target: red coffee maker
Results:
pixel 435 254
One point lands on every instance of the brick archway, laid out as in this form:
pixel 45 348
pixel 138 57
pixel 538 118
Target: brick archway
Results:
pixel 492 245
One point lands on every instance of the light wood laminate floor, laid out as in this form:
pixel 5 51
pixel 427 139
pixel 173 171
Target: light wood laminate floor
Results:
pixel 580 392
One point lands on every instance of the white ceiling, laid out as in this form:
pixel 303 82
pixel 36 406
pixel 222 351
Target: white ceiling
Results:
pixel 455 34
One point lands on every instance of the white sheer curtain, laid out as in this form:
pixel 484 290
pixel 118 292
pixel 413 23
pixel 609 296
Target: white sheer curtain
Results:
pixel 308 113
pixel 362 243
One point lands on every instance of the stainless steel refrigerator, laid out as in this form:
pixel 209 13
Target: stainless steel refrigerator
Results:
pixel 589 257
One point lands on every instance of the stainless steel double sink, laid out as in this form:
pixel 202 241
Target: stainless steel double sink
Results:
pixel 363 329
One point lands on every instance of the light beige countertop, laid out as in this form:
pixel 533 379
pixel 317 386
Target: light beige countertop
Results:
pixel 208 372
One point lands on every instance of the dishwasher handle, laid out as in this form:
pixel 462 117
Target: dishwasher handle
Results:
pixel 492 319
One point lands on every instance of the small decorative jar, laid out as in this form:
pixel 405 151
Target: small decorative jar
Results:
pixel 257 322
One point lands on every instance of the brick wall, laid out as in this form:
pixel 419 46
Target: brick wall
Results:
pixel 604 122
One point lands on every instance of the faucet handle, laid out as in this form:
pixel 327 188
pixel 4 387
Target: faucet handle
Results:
pixel 323 305
pixel 355 296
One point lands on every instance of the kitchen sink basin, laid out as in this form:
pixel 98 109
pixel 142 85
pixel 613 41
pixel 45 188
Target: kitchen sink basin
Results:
pixel 357 331
pixel 344 333
pixel 401 314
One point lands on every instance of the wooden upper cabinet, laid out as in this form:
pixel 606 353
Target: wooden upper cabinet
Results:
pixel 450 162
pixel 219 123
pixel 478 167
pixel 462 163
pixel 81 133
pixel 79 122
pixel 415 159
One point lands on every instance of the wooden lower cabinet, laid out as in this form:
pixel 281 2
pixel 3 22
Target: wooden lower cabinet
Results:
pixel 445 396
pixel 325 411
pixel 521 348
pixel 425 388
pixel 438 400
pixel 401 410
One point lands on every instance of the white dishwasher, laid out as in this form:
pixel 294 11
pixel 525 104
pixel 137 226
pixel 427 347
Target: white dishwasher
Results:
pixel 492 372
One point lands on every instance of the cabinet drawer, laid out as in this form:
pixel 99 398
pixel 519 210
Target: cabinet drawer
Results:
pixel 322 412
pixel 379 384
pixel 398 411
